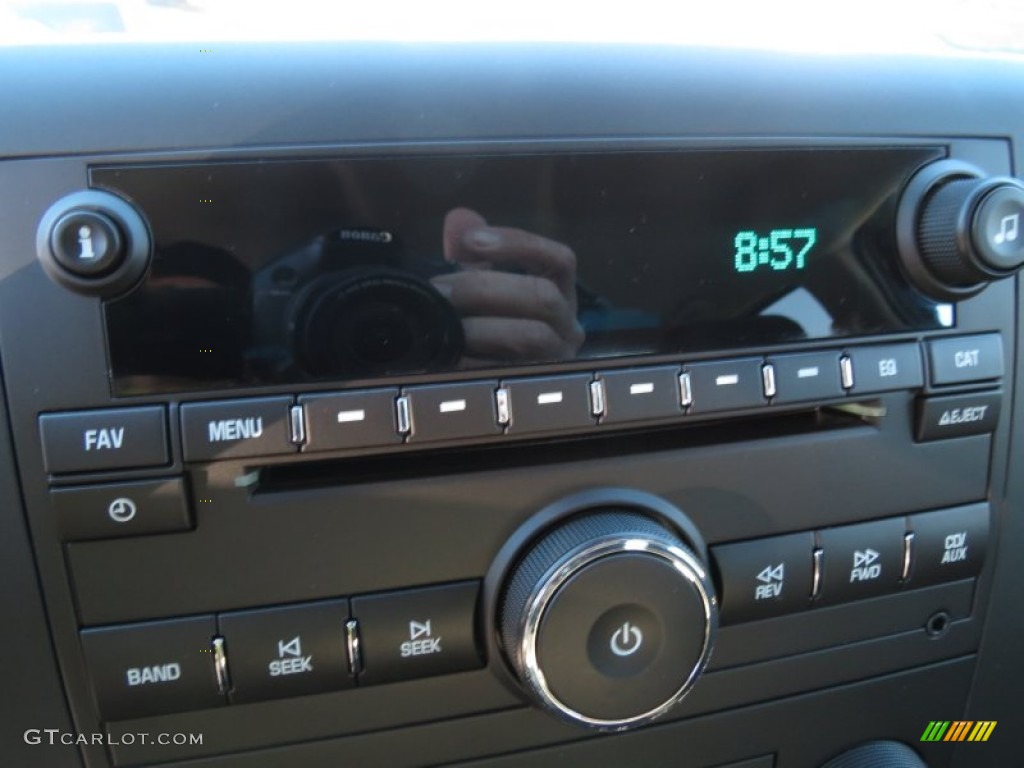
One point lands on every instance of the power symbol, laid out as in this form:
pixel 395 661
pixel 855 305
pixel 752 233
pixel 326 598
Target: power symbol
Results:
pixel 626 640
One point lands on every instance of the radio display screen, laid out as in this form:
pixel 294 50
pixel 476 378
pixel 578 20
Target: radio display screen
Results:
pixel 364 268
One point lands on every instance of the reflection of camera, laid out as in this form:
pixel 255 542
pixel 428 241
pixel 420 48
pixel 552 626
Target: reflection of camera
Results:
pixel 344 305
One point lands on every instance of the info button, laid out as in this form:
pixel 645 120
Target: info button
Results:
pixel 233 429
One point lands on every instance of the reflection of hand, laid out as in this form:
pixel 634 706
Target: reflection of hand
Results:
pixel 510 315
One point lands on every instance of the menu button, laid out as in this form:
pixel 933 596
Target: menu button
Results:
pixel 236 428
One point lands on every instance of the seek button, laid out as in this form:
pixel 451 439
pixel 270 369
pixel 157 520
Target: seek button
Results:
pixel 417 632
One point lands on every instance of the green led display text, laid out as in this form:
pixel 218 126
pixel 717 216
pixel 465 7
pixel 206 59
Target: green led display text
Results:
pixel 780 250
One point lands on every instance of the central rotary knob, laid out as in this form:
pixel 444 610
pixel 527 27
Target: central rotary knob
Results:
pixel 608 619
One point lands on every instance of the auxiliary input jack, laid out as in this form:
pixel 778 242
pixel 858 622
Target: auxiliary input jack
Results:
pixel 938 624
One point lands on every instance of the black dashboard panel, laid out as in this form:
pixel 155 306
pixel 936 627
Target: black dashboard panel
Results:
pixel 311 566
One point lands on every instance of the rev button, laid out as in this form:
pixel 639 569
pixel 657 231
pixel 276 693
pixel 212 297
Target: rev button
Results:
pixel 235 429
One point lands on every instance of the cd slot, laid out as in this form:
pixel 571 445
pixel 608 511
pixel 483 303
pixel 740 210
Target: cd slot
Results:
pixel 523 455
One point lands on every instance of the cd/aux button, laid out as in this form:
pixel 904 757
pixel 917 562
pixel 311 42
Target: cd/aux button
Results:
pixel 233 429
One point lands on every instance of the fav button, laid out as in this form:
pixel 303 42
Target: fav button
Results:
pixel 289 651
pixel 966 358
pixel 116 438
pixel 417 632
pixel 948 544
pixel 154 668
pixel 234 429
pixel 862 560
pixel 123 509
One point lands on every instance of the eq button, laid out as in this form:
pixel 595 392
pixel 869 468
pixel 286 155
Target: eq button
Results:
pixel 886 368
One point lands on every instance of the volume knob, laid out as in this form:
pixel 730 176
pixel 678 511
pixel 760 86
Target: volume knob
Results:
pixel 608 619
pixel 959 231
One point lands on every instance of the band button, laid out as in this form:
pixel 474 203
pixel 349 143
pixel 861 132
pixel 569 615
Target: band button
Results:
pixel 153 668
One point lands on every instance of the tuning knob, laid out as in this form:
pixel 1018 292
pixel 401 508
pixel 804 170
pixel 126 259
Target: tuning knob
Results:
pixel 959 231
pixel 608 619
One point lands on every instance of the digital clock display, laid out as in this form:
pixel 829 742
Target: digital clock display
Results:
pixel 370 267
pixel 779 249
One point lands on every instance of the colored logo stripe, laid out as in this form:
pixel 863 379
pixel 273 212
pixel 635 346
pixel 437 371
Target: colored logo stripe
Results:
pixel 982 730
pixel 935 730
pixel 958 730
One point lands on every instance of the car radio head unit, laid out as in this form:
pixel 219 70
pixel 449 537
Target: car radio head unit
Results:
pixel 355 269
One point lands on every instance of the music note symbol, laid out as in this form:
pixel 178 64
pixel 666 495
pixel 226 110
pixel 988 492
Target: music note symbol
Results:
pixel 1008 229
